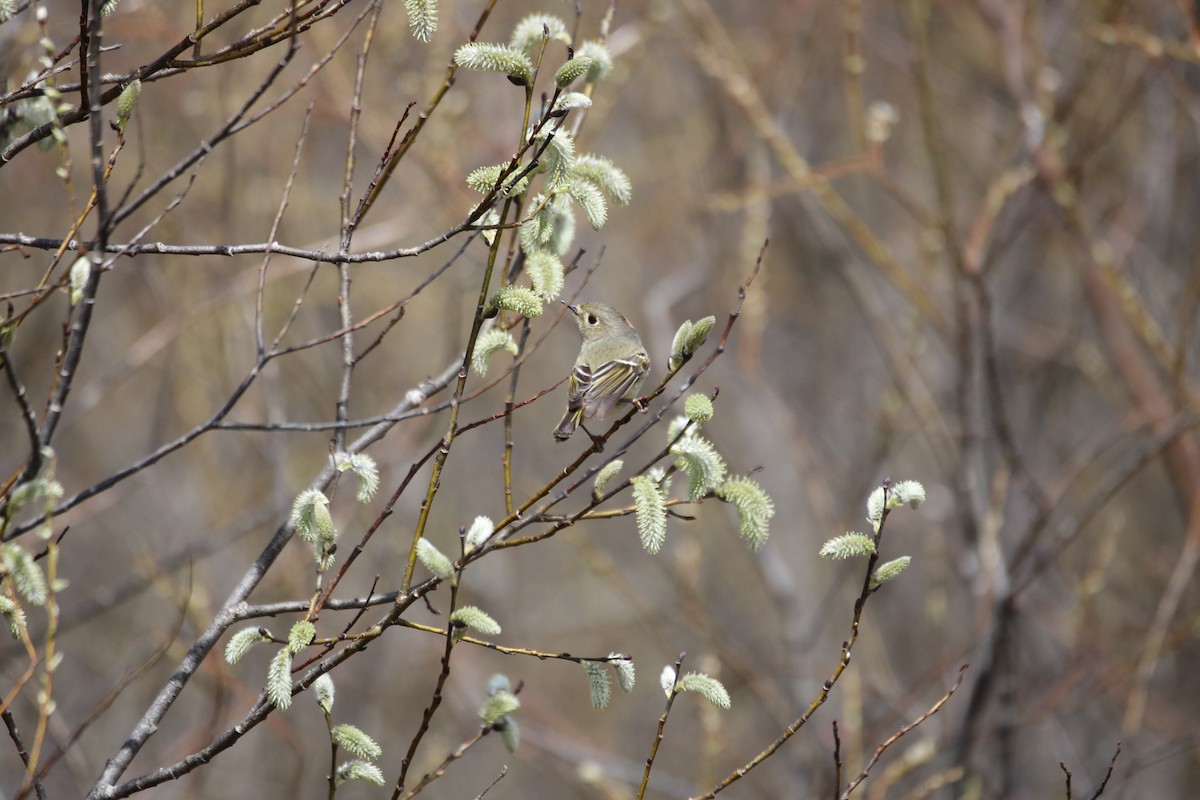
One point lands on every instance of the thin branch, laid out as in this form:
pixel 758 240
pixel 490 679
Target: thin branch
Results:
pixel 11 725
pixel 826 687
pixel 662 724
pixel 435 701
pixel 895 737
pixel 450 758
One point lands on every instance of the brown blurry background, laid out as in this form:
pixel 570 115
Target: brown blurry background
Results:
pixel 1000 300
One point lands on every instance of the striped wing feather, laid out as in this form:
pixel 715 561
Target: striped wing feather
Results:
pixel 598 392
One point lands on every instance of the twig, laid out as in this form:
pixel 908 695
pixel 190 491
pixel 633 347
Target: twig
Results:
pixel 895 737
pixel 827 687
pixel 837 762
pixel 15 735
pixel 503 772
pixel 662 723
pixel 450 758
pixel 435 701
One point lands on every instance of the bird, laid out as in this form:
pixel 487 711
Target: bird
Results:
pixel 611 366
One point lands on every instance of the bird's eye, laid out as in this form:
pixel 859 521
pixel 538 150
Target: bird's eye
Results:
pixel 592 319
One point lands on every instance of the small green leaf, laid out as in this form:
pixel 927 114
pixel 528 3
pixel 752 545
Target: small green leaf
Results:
pixel 698 334
pixel 848 545
pixel 479 532
pixel 562 225
pixel 510 733
pixel 527 35
pixel 487 344
pixel 26 575
pixel 569 101
pixel 434 560
pixel 323 691
pixel 626 673
pixel 754 508
pixel 360 771
pixel 311 518
pixel 240 643
pixel 519 299
pixel 698 408
pixel 14 616
pixel 551 227
pixel 688 339
pixel 875 507
pixel 906 493
pixel 599 685
pixel 81 270
pixel 536 231
pixel 498 705
pixel 559 155
pixel 710 688
pixel 601 56
pixel 609 178
pixel 355 742
pixel 475 619
pixel 701 462
pixel 495 58
pixel 364 469
pixel 885 572
pixel 279 680
pixel 422 18
pixel 126 102
pixel 483 180
pixel 42 490
pixel 651 508
pixel 606 474
pixel 572 71
pixel 492 217
pixel 675 427
pixel 677 354
pixel 590 199
pixel 301 635
pixel 546 273
pixel 666 680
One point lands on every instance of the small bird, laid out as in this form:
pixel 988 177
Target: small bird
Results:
pixel 611 366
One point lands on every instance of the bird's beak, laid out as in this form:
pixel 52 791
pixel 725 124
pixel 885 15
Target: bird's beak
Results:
pixel 574 309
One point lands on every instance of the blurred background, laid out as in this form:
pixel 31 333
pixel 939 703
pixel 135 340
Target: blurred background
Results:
pixel 981 275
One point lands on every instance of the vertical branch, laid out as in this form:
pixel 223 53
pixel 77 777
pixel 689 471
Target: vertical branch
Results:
pixel 436 700
pixel 837 762
pixel 92 96
pixel 827 686
pixel 345 314
pixel 508 409
pixel 452 426
pixel 260 289
pixel 29 418
pixel 11 724
pixel 662 723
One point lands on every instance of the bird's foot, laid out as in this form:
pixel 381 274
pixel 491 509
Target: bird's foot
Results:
pixel 597 441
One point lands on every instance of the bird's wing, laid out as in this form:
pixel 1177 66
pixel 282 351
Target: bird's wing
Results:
pixel 607 384
pixel 577 386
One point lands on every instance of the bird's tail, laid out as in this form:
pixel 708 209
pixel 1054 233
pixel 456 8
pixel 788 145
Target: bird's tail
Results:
pixel 566 427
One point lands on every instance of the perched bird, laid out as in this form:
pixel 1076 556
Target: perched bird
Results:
pixel 611 366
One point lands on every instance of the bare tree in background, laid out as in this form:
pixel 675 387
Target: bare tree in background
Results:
pixel 280 510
